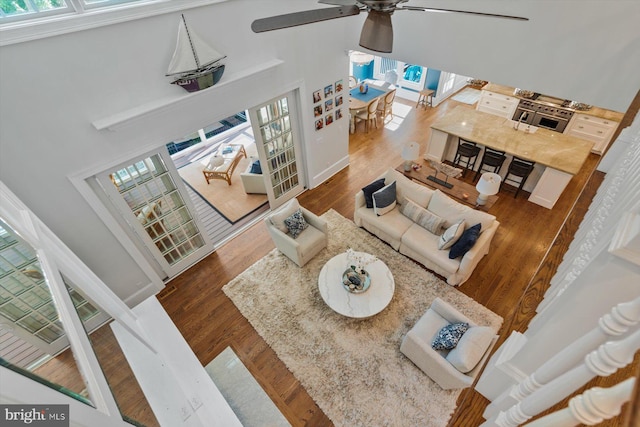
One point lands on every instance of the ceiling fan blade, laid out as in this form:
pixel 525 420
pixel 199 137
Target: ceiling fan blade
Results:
pixel 301 18
pixel 491 15
pixel 339 2
pixel 377 32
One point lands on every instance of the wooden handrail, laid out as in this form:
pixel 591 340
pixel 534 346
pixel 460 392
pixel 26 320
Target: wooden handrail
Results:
pixel 632 415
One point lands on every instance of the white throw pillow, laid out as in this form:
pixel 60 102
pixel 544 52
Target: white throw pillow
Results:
pixel 427 220
pixel 451 235
pixel 407 189
pixel 277 218
pixel 445 207
pixel 471 347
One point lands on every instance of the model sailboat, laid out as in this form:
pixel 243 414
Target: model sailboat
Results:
pixel 194 62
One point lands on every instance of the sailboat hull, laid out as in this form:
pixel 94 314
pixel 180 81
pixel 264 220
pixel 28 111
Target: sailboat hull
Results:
pixel 196 82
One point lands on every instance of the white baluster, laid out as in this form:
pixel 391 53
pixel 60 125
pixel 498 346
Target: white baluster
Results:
pixel 615 323
pixel 590 408
pixel 612 324
pixel 604 361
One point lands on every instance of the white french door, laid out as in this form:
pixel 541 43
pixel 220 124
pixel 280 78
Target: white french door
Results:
pixel 275 128
pixel 150 196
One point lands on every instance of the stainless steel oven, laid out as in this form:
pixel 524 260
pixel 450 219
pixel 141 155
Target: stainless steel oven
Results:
pixel 543 114
pixel 550 122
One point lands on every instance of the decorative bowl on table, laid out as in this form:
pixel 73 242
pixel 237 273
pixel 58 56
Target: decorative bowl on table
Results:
pixel 356 282
pixel 580 106
pixel 524 93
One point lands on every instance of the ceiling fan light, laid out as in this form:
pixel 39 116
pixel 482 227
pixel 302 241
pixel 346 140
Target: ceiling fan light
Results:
pixel 377 32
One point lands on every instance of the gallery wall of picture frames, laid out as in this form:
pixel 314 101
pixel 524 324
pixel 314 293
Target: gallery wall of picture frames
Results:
pixel 328 104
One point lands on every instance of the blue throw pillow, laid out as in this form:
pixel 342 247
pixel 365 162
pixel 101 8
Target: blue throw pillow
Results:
pixel 296 224
pixel 370 189
pixel 465 242
pixel 448 337
pixel 256 168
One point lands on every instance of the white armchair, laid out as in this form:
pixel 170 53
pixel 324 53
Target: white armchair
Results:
pixel 308 243
pixel 253 183
pixel 450 369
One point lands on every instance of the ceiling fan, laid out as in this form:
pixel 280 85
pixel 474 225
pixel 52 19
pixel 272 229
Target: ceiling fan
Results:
pixel 377 31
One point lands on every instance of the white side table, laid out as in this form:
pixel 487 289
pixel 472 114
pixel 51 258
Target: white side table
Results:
pixel 355 305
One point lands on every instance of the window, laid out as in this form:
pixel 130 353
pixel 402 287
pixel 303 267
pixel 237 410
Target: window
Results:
pixel 202 135
pixel 31 8
pixel 26 20
pixel 410 76
pixel 11 10
pixel 45 315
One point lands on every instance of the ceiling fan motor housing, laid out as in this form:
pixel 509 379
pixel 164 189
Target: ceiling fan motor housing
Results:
pixel 377 32
pixel 381 5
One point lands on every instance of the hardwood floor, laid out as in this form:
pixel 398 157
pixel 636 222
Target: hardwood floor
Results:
pixel 510 273
pixel 510 280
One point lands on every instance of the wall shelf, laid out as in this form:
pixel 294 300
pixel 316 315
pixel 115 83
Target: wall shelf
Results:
pixel 125 118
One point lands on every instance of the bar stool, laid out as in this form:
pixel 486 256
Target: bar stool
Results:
pixel 519 168
pixel 425 99
pixel 492 159
pixel 466 150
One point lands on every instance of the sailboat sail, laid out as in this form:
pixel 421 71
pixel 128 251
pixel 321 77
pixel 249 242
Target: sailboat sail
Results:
pixel 192 54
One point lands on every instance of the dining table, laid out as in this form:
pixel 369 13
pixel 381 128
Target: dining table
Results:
pixel 358 101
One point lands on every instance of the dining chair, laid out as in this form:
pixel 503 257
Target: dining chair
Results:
pixel 386 107
pixel 370 114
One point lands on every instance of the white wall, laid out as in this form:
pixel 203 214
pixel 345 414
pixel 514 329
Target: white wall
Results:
pixel 581 50
pixel 53 89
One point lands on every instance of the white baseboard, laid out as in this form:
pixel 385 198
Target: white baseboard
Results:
pixel 329 172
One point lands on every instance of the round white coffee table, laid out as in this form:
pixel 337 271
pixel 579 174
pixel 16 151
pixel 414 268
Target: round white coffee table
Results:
pixel 356 305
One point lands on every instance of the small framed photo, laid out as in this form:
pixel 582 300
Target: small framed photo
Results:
pixel 338 101
pixel 328 105
pixel 317 96
pixel 317 110
pixel 328 91
pixel 338 114
pixel 319 124
pixel 328 119
pixel 338 86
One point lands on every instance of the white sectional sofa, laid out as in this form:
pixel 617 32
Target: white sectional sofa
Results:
pixel 415 241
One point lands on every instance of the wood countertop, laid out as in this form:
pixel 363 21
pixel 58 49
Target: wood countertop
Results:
pixel 552 149
pixel 593 111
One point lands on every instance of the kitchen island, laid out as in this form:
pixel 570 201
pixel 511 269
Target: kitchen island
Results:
pixel 558 157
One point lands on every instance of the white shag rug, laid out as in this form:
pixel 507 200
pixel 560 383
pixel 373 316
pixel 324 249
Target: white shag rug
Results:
pixel 353 369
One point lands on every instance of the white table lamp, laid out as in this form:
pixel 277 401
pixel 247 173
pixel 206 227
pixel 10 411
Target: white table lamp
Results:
pixel 410 153
pixel 488 185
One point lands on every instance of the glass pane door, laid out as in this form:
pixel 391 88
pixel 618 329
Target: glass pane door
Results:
pixel 275 132
pixel 31 333
pixel 26 305
pixel 150 195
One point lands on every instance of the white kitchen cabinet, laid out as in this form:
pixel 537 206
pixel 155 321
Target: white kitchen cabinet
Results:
pixel 498 104
pixel 549 187
pixel 591 128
